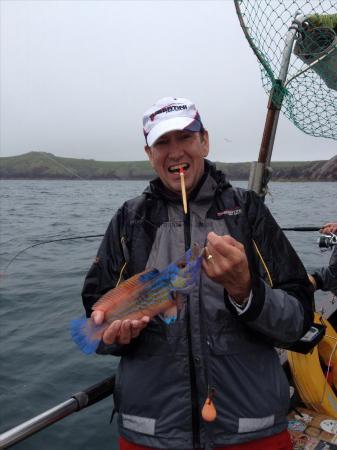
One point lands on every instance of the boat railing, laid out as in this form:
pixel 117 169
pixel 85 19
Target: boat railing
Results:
pixel 76 402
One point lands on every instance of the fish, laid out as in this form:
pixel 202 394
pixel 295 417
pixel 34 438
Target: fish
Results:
pixel 148 293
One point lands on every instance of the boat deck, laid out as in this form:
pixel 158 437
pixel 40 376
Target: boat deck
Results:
pixel 311 430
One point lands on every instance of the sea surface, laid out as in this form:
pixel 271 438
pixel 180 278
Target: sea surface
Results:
pixel 40 294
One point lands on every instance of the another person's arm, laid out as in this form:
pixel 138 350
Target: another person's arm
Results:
pixel 325 278
pixel 329 228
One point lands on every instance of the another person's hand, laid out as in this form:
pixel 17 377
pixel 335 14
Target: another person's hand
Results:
pixel 226 263
pixel 120 331
pixel 329 228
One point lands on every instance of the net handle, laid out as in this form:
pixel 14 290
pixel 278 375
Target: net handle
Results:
pixel 260 173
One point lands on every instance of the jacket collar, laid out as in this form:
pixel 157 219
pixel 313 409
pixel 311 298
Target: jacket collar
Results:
pixel 212 181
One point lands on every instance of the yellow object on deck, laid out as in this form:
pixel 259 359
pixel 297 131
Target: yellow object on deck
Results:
pixel 310 381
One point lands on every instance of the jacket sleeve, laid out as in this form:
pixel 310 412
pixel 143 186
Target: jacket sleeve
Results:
pixel 326 277
pixel 283 311
pixel 104 273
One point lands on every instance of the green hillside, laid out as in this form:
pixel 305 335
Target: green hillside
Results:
pixel 40 165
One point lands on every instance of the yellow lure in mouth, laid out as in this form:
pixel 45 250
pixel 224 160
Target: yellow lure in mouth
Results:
pixel 183 189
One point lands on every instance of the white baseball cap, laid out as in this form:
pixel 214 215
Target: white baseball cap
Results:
pixel 169 114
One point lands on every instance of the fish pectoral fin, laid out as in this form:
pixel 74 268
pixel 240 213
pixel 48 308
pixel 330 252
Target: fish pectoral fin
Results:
pixel 169 315
pixel 169 319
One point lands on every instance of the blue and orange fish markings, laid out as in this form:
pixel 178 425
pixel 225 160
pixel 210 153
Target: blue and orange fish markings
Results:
pixel 148 293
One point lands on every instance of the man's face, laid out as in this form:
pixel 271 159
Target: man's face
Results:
pixel 177 149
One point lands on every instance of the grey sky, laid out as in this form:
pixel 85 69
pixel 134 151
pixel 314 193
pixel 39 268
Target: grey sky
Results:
pixel 76 77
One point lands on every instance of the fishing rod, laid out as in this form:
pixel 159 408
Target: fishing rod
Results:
pixel 76 402
pixel 101 235
pixel 302 229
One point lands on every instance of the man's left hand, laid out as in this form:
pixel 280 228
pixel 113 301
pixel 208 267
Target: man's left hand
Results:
pixel 120 331
pixel 226 263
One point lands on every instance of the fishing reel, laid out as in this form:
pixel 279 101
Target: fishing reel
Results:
pixel 327 241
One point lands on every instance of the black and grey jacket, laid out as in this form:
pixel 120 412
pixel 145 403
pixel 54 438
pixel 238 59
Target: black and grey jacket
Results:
pixel 165 374
pixel 326 277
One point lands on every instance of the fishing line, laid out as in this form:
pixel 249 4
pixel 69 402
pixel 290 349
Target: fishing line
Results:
pixel 62 165
pixel 101 235
pixel 61 239
pixel 328 369
pixel 46 242
pixel 67 239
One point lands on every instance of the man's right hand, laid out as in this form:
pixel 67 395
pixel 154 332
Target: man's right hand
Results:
pixel 120 331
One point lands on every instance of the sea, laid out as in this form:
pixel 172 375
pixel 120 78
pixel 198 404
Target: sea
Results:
pixel 40 290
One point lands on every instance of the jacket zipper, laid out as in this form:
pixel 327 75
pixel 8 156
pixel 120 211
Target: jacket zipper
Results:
pixel 194 390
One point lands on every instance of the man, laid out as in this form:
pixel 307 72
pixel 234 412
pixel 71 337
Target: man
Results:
pixel 325 278
pixel 220 348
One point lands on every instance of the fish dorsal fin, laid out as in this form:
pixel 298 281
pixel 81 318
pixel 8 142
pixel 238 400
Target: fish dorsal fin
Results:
pixel 127 289
pixel 148 275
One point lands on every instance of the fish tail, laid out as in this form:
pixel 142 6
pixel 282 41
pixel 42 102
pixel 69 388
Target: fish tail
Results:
pixel 86 334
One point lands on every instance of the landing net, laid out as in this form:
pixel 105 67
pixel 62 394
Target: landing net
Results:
pixel 309 92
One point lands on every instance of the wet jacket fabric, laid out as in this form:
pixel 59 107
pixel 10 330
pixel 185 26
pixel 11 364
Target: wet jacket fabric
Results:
pixel 326 277
pixel 165 375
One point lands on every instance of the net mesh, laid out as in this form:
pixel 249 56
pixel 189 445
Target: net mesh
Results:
pixel 309 93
